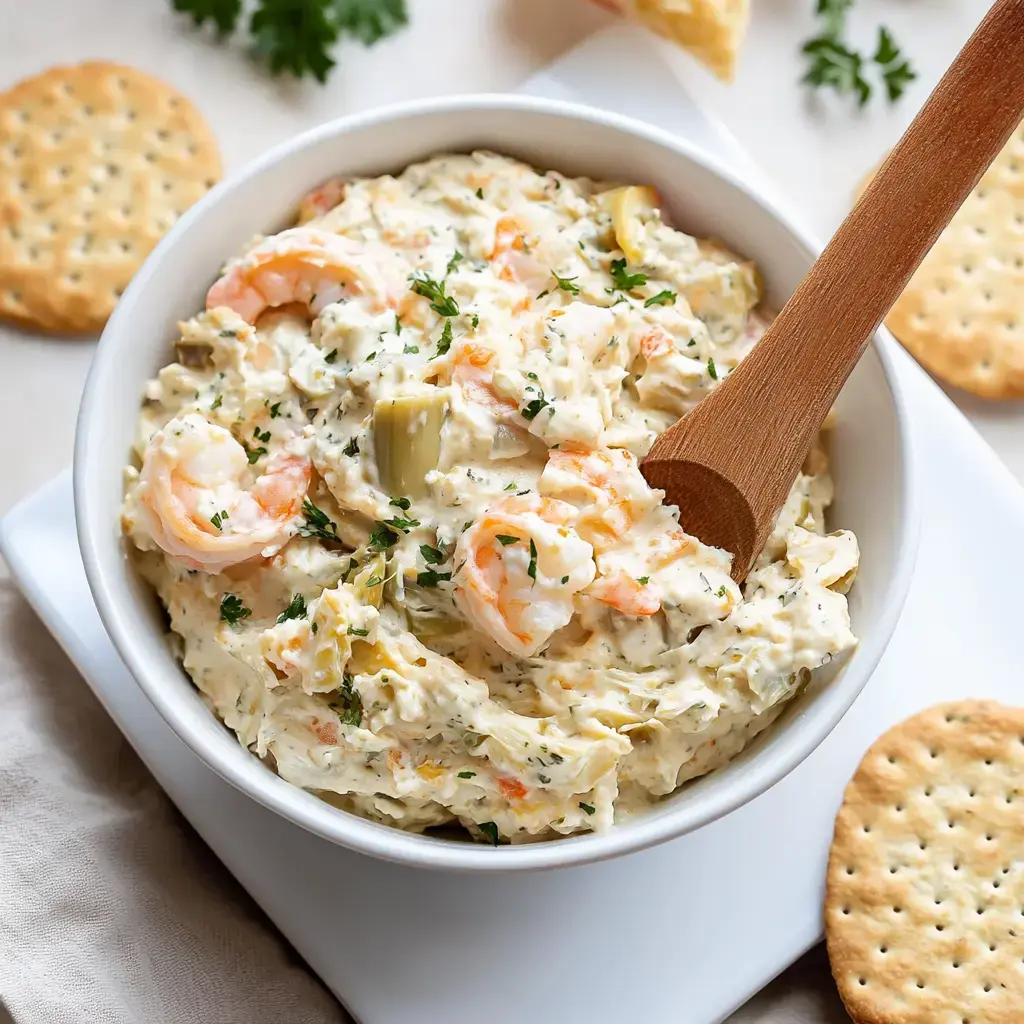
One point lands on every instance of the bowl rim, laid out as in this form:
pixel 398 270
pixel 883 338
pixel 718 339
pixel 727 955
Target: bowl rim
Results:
pixel 351 830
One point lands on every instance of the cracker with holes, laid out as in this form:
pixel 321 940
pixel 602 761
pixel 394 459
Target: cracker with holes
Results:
pixel 97 161
pixel 924 904
pixel 962 315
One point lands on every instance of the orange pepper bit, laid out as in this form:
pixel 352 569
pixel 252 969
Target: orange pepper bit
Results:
pixel 511 789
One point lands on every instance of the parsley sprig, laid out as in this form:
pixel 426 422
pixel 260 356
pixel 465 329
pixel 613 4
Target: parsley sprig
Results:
pixel 834 64
pixel 298 36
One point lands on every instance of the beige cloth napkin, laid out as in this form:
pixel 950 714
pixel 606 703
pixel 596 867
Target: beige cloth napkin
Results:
pixel 113 911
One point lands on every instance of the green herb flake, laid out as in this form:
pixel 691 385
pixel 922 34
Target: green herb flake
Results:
pixel 530 410
pixel 353 631
pixel 317 522
pixel 490 830
pixel 254 454
pixel 432 556
pixel 381 539
pixel 431 578
pixel 331 356
pixel 475 321
pixel 275 410
pixel 232 611
pixel 445 341
pixel 351 449
pixel 531 570
pixel 402 523
pixel 624 280
pixel 712 370
pixel 217 402
pixel 453 262
pixel 348 705
pixel 218 519
pixel 664 298
pixel 721 592
pixel 440 303
pixel 643 580
pixel 565 579
pixel 587 808
pixel 411 350
pixel 467 775
pixel 402 503
pixel 506 538
pixel 566 284
pixel 479 193
pixel 398 326
pixel 295 610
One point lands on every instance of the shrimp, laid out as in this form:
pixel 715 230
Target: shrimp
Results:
pixel 304 265
pixel 473 371
pixel 194 506
pixel 321 200
pixel 519 569
pixel 626 594
pixel 511 258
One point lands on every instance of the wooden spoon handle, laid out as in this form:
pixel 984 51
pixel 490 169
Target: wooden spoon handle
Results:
pixel 813 345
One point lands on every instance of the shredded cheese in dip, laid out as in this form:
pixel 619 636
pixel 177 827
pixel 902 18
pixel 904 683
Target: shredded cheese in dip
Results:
pixel 389 495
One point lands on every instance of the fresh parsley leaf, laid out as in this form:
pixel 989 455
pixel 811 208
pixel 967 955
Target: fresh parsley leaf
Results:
pixel 217 403
pixel 331 356
pixel 218 519
pixel 490 830
pixel 587 808
pixel 531 570
pixel 348 705
pixel 456 259
pixel 479 193
pixel 712 369
pixel 833 13
pixel 622 279
pixel 374 581
pixel 467 775
pixel 721 591
pixel 314 628
pixel 897 73
pixel 232 611
pixel 351 449
pixel 510 486
pixel 353 631
pixel 223 13
pixel 663 298
pixel 295 610
pixel 835 66
pixel 530 410
pixel 402 523
pixel 431 578
pixel 318 523
pixel 567 284
pixel 506 538
pixel 369 21
pixel 253 454
pixel 264 437
pixel 382 538
pixel 432 556
pixel 440 303
pixel 402 503
pixel 411 350
pixel 295 36
pixel 643 580
pixel 475 321
pixel 275 410
pixel 445 341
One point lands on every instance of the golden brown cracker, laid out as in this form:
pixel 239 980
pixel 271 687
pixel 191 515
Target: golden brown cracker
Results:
pixel 962 315
pixel 97 161
pixel 924 903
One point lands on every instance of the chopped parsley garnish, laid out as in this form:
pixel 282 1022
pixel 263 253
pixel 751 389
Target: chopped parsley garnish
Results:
pixel 348 705
pixel 453 262
pixel 217 402
pixel 479 193
pixel 253 454
pixel 351 449
pixel 567 284
pixel 531 570
pixel 353 631
pixel 431 578
pixel 440 303
pixel 232 611
pixel 644 580
pixel 403 524
pixel 331 356
pixel 432 556
pixel 370 358
pixel 534 406
pixel 467 775
pixel 445 341
pixel 557 759
pixel 712 370
pixel 532 376
pixel 295 610
pixel 506 538
pixel 411 350
pixel 228 334
pixel 587 808
pixel 398 325
pixel 218 519
pixel 381 539
pixel 475 321
pixel 565 579
pixel 721 591
pixel 314 628
pixel 402 503
pixel 264 437
pixel 622 279
pixel 374 581
pixel 665 298
pixel 467 525
pixel 511 486
pixel 318 523
pixel 275 410
pixel 490 830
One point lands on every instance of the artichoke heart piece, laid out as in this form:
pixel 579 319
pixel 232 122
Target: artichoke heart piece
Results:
pixel 407 440
pixel 630 206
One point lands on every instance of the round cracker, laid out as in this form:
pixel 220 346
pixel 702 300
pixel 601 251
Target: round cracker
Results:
pixel 962 315
pixel 97 161
pixel 924 903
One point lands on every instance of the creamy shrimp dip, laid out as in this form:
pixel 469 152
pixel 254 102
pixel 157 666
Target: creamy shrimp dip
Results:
pixel 390 496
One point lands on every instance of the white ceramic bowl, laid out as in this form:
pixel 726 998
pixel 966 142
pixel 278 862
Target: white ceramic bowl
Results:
pixel 871 455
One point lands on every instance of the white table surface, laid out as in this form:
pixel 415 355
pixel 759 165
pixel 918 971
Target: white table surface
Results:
pixel 812 149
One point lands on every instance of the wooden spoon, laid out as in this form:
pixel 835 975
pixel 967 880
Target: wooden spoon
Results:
pixel 730 463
